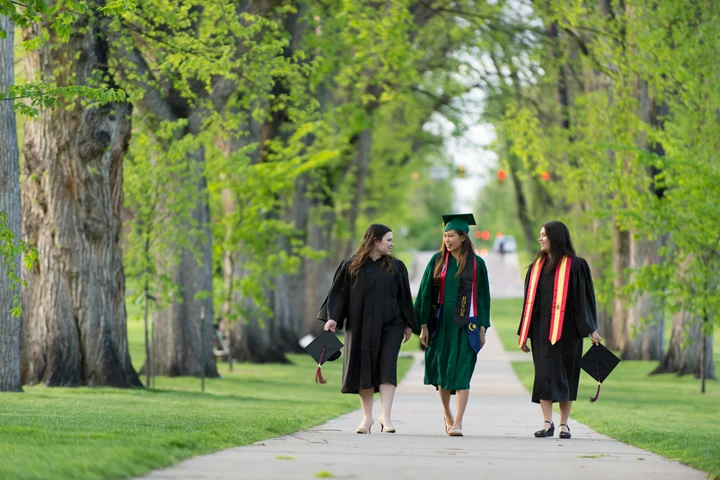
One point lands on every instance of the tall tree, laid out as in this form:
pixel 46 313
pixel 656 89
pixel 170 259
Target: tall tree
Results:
pixel 75 329
pixel 10 219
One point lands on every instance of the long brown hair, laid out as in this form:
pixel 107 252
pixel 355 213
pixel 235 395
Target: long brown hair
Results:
pixel 376 231
pixel 465 247
pixel 560 245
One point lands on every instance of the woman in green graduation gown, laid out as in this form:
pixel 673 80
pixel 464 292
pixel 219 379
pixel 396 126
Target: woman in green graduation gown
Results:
pixel 453 310
pixel 370 297
pixel 559 311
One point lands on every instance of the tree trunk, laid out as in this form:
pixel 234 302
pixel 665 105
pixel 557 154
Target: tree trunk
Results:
pixel 74 330
pixel 10 206
pixel 522 207
pixel 179 329
pixel 615 338
pixel 289 299
pixel 318 274
pixel 703 353
pixel 361 164
pixel 684 352
pixel 645 324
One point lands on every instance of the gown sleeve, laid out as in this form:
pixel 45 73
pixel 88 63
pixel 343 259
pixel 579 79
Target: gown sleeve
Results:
pixel 522 310
pixel 423 302
pixel 336 302
pixel 405 296
pixel 584 307
pixel 483 294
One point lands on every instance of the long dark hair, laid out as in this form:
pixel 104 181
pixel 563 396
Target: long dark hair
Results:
pixel 465 247
pixel 560 244
pixel 376 231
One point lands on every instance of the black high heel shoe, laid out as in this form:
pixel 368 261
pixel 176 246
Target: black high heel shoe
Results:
pixel 548 432
pixel 564 434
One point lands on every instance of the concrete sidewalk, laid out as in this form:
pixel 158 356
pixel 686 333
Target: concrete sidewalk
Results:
pixel 498 442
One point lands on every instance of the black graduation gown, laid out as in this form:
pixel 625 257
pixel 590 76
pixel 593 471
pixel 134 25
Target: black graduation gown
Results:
pixel 374 308
pixel 557 369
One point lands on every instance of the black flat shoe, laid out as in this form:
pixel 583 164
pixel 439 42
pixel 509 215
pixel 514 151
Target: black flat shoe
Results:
pixel 565 434
pixel 549 432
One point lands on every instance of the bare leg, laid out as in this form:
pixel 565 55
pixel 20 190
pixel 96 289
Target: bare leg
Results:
pixel 564 414
pixel 445 399
pixel 461 401
pixel 546 406
pixel 366 401
pixel 387 394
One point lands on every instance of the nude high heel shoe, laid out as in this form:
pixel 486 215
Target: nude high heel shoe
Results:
pixel 363 431
pixel 382 427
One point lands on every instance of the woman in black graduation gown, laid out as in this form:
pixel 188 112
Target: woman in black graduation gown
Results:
pixel 370 297
pixel 559 311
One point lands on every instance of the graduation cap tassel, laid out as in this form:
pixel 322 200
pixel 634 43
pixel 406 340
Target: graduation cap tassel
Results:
pixel 318 373
pixel 597 394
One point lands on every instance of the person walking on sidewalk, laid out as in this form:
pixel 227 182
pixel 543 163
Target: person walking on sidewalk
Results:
pixel 559 311
pixel 370 297
pixel 453 310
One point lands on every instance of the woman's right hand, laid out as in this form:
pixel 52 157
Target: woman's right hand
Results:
pixel 424 336
pixel 524 347
pixel 331 325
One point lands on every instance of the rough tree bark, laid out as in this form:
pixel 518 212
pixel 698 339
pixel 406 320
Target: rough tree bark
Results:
pixel 621 260
pixel 183 332
pixel 179 336
pixel 259 338
pixel 683 354
pixel 74 330
pixel 644 323
pixel 10 206
pixel 645 340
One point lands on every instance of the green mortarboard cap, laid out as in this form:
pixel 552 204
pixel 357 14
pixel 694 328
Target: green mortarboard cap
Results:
pixel 458 221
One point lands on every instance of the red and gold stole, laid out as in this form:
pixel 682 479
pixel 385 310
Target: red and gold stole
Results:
pixel 562 278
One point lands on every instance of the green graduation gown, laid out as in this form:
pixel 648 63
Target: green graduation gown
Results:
pixel 449 358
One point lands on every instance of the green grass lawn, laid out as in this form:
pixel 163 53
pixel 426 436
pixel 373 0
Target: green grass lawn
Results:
pixel 103 433
pixel 504 317
pixel 665 414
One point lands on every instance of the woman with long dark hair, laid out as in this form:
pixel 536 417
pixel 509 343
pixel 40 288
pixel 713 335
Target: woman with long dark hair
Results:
pixel 559 311
pixel 453 310
pixel 370 297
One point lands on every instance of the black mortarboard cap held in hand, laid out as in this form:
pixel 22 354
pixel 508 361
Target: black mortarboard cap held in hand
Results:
pixel 324 348
pixel 598 362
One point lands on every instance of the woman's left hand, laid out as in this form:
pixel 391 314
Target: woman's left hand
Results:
pixel 408 334
pixel 595 337
pixel 482 337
